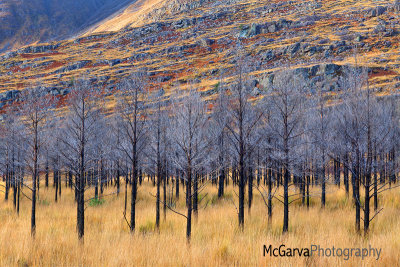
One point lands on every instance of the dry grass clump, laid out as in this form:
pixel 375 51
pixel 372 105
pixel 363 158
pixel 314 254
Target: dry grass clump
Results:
pixel 216 239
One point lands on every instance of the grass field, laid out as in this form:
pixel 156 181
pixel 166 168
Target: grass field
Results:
pixel 216 239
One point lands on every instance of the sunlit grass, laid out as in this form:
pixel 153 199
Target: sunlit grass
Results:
pixel 216 239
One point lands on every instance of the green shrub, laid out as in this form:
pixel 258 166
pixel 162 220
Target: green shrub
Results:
pixel 94 202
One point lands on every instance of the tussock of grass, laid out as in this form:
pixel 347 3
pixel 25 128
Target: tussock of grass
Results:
pixel 216 238
pixel 146 228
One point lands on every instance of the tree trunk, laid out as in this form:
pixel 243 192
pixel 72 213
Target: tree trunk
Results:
pixel 133 198
pixel 375 182
pixel 323 193
pixel 250 188
pixel 346 173
pixel 118 178
pixel 177 185
pixel 46 177
pixel 269 179
pixel 165 177
pixel 55 174
pixel 195 194
pixel 221 167
pixel 356 191
pixel 158 188
pixel 80 206
pixel 189 205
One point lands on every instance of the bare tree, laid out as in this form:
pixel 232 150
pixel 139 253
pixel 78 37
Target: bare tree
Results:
pixel 363 126
pixel 189 145
pixel 157 153
pixel 287 102
pixel 78 140
pixel 34 111
pixel 133 112
pixel 243 119
pixel 321 137
pixel 220 121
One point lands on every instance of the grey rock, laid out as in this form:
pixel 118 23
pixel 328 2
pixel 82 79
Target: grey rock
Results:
pixel 205 42
pixel 380 10
pixel 114 62
pixel 331 69
pixel 268 56
pixel 324 41
pixel 272 28
pixel 254 83
pixel 294 48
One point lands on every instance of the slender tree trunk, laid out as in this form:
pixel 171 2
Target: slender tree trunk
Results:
pixel 96 184
pixel 55 173
pixel 269 174
pixel 250 188
pixel 189 204
pixel 18 195
pixel 7 181
pixel 375 182
pixel 46 177
pixel 286 176
pixel 356 191
pixel 177 185
pixel 118 178
pixel 346 173
pixel 221 167
pixel 126 192
pixel 308 191
pixel 59 183
pixel 34 179
pixel 133 197
pixel 165 177
pixel 158 181
pixel 366 203
pixel 323 193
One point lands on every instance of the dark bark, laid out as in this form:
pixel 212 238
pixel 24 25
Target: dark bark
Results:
pixel 177 185
pixel 55 174
pixel 133 197
pixel 165 177
pixel 375 194
pixel 250 188
pixel 221 167
pixel 269 179
pixel 158 179
pixel 189 203
pixel 195 194
pixel 34 175
pixel 356 191
pixel 46 177
pixel 346 173
pixel 118 181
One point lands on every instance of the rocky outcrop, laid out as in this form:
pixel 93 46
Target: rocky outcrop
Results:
pixel 73 66
pixel 325 77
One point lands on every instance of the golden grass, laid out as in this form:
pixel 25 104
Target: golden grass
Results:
pixel 216 240
pixel 132 15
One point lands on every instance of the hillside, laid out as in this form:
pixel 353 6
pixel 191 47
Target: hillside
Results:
pixel 179 41
pixel 24 22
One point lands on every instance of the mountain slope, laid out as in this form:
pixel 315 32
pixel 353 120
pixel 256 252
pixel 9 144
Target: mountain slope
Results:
pixel 194 42
pixel 27 21
pixel 132 15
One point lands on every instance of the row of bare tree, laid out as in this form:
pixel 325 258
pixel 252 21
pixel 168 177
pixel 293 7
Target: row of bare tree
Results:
pixel 288 135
